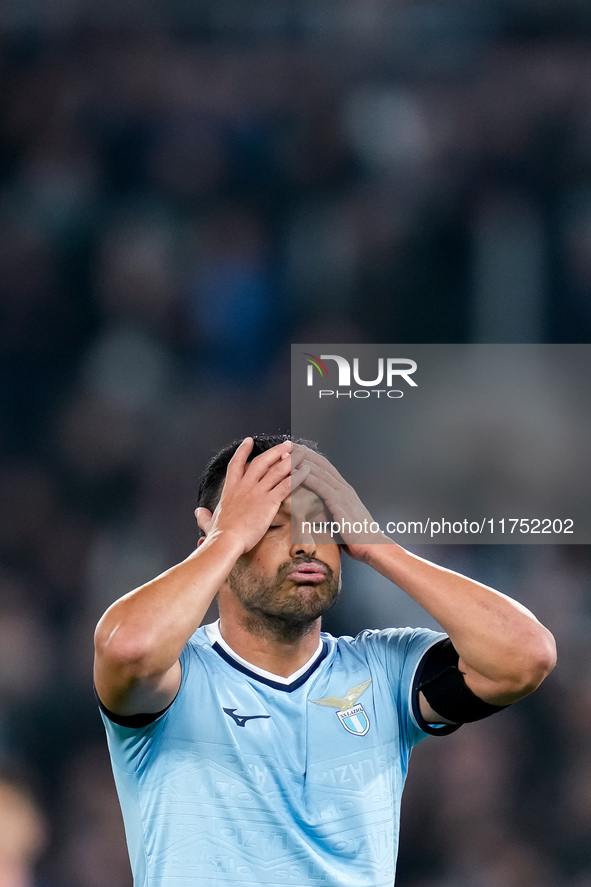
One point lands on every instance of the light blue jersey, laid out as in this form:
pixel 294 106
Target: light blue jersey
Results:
pixel 251 779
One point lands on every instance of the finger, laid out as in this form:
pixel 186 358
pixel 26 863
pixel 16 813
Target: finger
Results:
pixel 237 463
pixel 323 464
pixel 298 455
pixel 341 497
pixel 261 463
pixel 290 483
pixel 320 487
pixel 276 472
pixel 299 476
pixel 298 449
pixel 328 480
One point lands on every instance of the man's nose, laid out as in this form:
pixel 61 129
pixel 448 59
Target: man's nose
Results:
pixel 303 547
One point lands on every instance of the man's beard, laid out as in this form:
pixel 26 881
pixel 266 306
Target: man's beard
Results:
pixel 283 613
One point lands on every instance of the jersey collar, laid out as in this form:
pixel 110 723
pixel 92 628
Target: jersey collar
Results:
pixel 294 681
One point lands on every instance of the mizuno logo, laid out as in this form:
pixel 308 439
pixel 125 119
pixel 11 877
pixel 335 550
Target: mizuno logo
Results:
pixel 347 701
pixel 242 719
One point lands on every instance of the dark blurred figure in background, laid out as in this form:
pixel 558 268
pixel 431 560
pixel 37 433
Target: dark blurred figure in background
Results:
pixel 23 833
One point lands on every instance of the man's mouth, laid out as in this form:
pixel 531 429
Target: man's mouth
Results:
pixel 308 573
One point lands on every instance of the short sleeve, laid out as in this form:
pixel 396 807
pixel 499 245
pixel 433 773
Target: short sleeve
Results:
pixel 129 744
pixel 401 651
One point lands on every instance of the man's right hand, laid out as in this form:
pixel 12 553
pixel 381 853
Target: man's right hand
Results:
pixel 139 639
pixel 252 494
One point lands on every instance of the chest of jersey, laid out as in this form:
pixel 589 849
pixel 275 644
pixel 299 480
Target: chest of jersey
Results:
pixel 245 782
pixel 245 776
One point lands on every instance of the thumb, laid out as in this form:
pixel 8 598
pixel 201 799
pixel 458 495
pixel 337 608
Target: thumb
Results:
pixel 203 516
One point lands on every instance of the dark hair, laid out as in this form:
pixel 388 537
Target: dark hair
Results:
pixel 212 479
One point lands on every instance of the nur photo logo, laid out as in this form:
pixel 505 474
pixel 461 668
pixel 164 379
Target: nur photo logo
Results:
pixel 389 371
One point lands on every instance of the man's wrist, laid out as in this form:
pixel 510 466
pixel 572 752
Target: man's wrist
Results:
pixel 226 543
pixel 380 554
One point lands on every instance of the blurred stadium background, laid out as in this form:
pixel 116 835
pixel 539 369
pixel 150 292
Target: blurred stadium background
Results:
pixel 185 189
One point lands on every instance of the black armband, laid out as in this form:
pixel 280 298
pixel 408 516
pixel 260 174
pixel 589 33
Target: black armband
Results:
pixel 135 721
pixel 445 689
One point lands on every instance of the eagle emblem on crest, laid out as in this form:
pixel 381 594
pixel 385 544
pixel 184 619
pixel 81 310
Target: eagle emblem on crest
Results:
pixel 353 717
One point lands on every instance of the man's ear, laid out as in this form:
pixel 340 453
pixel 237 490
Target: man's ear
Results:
pixel 203 516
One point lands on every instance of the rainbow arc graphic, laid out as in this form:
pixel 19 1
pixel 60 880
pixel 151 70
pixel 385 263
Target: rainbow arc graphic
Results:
pixel 312 362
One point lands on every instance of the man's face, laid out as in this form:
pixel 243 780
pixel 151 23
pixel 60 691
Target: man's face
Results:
pixel 292 582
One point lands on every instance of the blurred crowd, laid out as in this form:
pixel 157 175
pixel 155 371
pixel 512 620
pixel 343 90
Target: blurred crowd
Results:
pixel 184 191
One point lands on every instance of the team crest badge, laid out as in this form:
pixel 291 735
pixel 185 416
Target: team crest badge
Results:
pixel 353 717
pixel 354 720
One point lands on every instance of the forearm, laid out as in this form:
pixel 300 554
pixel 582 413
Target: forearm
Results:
pixel 146 630
pixel 504 651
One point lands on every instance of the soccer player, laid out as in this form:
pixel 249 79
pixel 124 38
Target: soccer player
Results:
pixel 259 750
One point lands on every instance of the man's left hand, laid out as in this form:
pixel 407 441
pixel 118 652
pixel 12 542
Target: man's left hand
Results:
pixel 355 521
